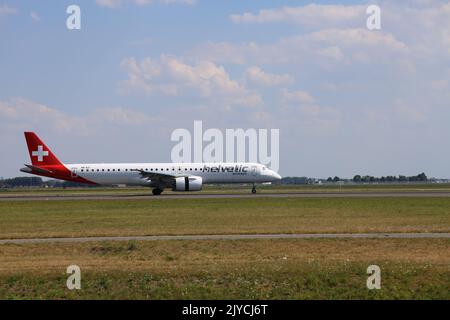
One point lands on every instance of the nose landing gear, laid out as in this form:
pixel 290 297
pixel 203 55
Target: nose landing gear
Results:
pixel 254 189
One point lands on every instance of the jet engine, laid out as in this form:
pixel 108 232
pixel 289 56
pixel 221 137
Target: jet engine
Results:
pixel 188 184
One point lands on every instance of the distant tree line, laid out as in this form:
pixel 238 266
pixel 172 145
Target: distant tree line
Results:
pixel 335 179
pixel 19 182
pixel 422 177
pixel 296 180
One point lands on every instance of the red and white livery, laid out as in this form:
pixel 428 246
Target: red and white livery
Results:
pixel 159 176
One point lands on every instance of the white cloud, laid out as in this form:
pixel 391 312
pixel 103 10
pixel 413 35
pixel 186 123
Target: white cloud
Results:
pixel 440 85
pixel 336 45
pixel 25 113
pixel 188 2
pixel 109 3
pixel 361 37
pixel 173 77
pixel 300 109
pixel 31 114
pixel 300 97
pixel 258 76
pixel 422 24
pixel 6 10
pixel 117 3
pixel 312 119
pixel 408 112
pixel 142 42
pixel 122 116
pixel 311 15
pixel 35 16
pixel 333 52
pixel 411 31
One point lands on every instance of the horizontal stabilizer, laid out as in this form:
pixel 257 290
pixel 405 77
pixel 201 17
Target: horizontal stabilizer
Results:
pixel 33 169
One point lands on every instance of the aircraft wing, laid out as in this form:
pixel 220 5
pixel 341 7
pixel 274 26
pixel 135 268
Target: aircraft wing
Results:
pixel 160 179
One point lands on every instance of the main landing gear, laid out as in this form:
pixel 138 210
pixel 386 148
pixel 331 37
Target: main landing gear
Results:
pixel 156 191
pixel 254 189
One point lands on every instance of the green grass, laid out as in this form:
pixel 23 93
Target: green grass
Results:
pixel 340 282
pixel 26 219
pixel 261 269
pixel 243 269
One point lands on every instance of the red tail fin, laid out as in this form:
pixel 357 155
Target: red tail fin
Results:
pixel 40 154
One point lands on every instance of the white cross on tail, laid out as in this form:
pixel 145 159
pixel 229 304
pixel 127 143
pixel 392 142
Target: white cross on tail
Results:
pixel 40 153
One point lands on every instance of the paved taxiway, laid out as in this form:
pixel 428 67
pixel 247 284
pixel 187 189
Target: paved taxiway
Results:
pixel 148 196
pixel 238 237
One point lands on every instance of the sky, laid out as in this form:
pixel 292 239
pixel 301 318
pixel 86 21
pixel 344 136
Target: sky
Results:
pixel 346 100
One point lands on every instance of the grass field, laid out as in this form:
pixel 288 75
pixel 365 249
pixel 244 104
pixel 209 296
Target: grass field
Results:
pixel 261 269
pixel 74 218
pixel 239 269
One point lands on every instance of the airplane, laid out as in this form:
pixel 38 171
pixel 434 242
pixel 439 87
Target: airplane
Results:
pixel 159 176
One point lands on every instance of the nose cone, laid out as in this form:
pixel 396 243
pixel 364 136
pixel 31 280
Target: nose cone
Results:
pixel 277 176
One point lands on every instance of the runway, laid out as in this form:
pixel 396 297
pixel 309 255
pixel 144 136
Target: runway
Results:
pixel 236 237
pixel 148 196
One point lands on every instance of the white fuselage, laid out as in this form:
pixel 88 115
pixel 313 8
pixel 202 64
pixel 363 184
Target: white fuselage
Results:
pixel 130 173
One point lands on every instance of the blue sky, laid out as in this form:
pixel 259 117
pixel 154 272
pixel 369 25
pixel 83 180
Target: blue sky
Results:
pixel 346 99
